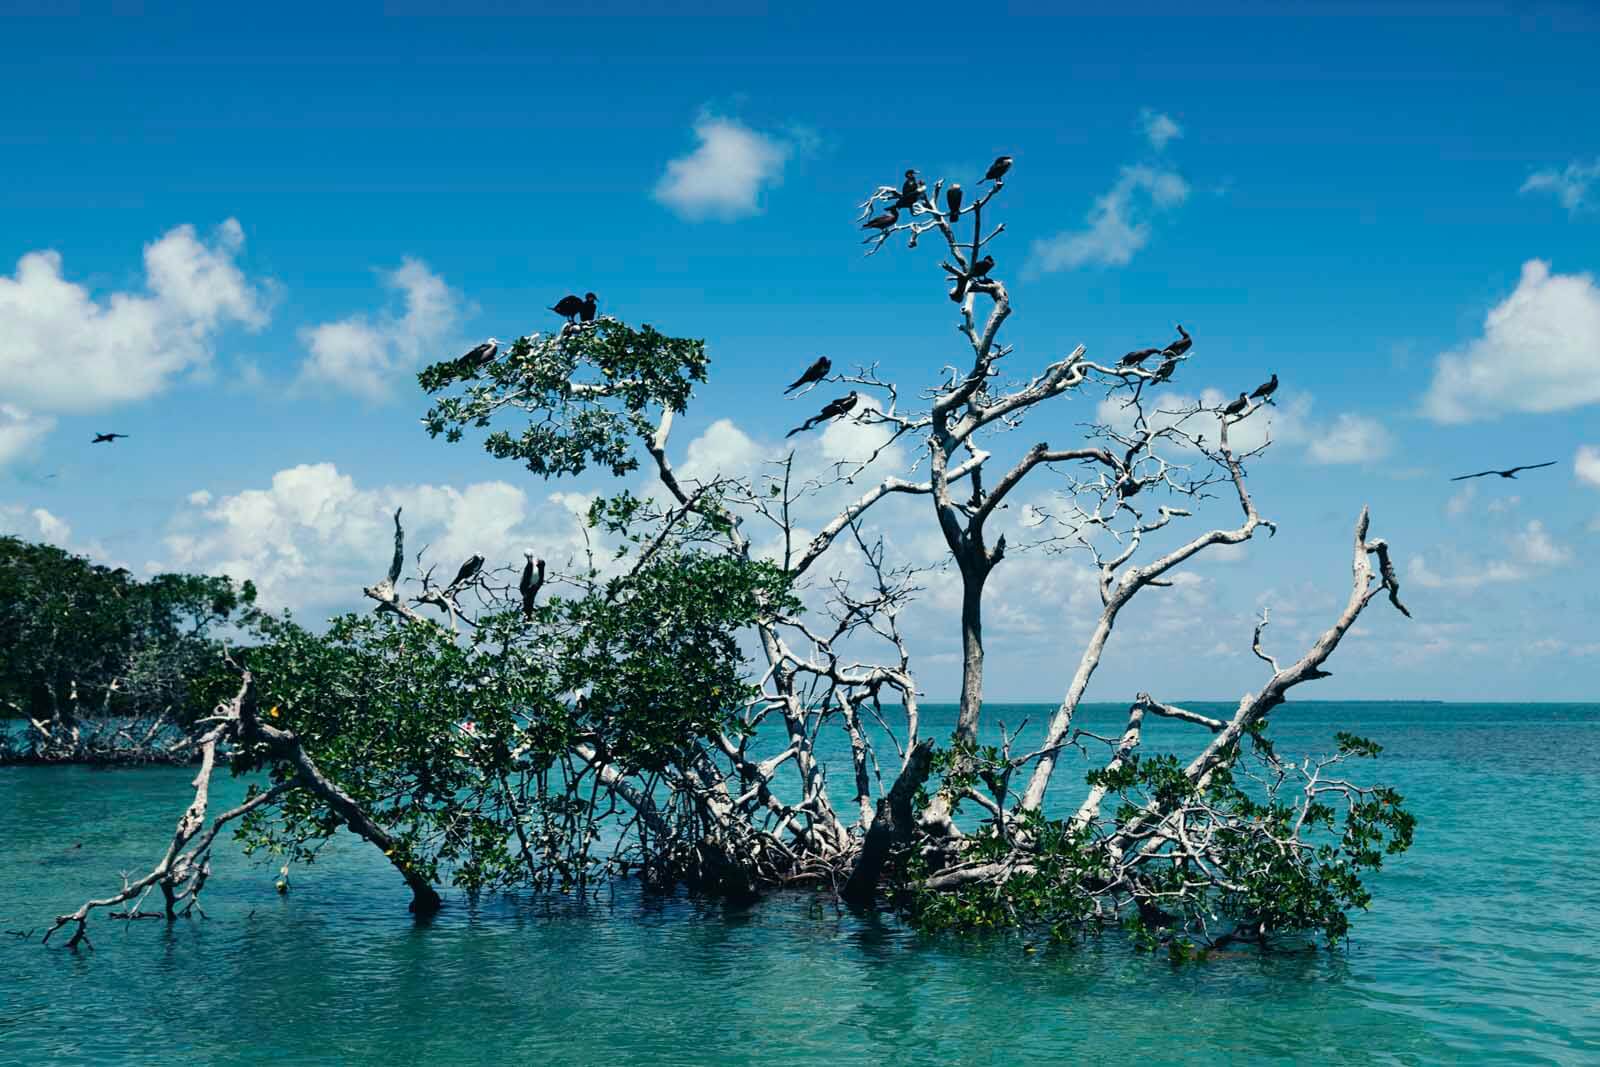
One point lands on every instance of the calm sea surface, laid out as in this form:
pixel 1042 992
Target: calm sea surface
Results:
pixel 1483 945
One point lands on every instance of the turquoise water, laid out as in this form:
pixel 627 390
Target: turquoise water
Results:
pixel 1482 947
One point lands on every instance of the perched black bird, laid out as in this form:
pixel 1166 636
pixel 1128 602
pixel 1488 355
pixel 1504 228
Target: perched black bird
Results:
pixel 909 191
pixel 1164 372
pixel 1237 406
pixel 883 221
pixel 1509 473
pixel 814 373
pixel 982 268
pixel 481 355
pixel 997 169
pixel 833 410
pixel 1178 348
pixel 529 586
pixel 570 307
pixel 106 438
pixel 1266 388
pixel 952 199
pixel 1133 359
pixel 468 570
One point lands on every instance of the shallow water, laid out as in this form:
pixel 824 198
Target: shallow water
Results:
pixel 1481 945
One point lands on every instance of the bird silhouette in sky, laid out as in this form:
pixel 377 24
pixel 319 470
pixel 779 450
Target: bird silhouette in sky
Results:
pixel 833 410
pixel 1179 347
pixel 1510 472
pixel 106 438
pixel 814 373
pixel 1266 388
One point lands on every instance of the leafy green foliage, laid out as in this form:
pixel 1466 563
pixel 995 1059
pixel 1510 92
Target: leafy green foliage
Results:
pixel 590 389
pixel 80 641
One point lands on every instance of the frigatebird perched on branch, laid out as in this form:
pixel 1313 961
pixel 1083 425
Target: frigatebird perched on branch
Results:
pixel 814 373
pixel 1508 473
pixel 908 191
pixel 529 586
pixel 106 438
pixel 1133 359
pixel 952 199
pixel 832 410
pixel 1237 406
pixel 1179 347
pixel 570 307
pixel 1164 371
pixel 481 355
pixel 1266 388
pixel 883 221
pixel 997 169
pixel 468 571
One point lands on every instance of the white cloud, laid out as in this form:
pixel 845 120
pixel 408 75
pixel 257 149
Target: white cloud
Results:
pixel 1586 465
pixel 1540 351
pixel 1159 128
pixel 364 356
pixel 1531 550
pixel 1532 545
pixel 20 431
pixel 1461 502
pixel 51 528
pixel 1118 224
pixel 313 538
pixel 67 351
pixel 1350 439
pixel 725 174
pixel 1570 186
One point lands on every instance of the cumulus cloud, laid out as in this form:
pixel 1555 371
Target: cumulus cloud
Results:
pixel 314 538
pixel 1540 352
pixel 724 176
pixel 1350 439
pixel 1118 225
pixel 67 351
pixel 1586 465
pixel 1570 185
pixel 1531 549
pixel 366 355
pixel 20 431
pixel 1159 128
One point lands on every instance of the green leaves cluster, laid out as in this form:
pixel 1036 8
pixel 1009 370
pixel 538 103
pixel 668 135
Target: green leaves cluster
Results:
pixel 589 389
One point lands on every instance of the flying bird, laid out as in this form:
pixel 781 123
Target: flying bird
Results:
pixel 1237 406
pixel 1510 473
pixel 814 373
pixel 1178 348
pixel 106 438
pixel 468 571
pixel 997 169
pixel 833 410
pixel 570 307
pixel 1133 359
pixel 883 221
pixel 481 355
pixel 529 586
pixel 1266 388
pixel 952 199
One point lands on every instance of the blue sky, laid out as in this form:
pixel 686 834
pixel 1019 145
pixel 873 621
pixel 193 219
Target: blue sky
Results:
pixel 1343 200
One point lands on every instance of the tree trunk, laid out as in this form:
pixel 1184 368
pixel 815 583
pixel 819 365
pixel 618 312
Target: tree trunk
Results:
pixel 891 826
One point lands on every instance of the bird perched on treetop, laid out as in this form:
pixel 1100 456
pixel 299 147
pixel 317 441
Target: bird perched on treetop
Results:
pixel 1178 348
pixel 1237 406
pixel 468 571
pixel 997 169
pixel 952 199
pixel 529 586
pixel 979 269
pixel 883 221
pixel 481 355
pixel 1266 388
pixel 1508 473
pixel 1164 371
pixel 814 373
pixel 106 438
pixel 1133 359
pixel 908 191
pixel 570 307
pixel 832 410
